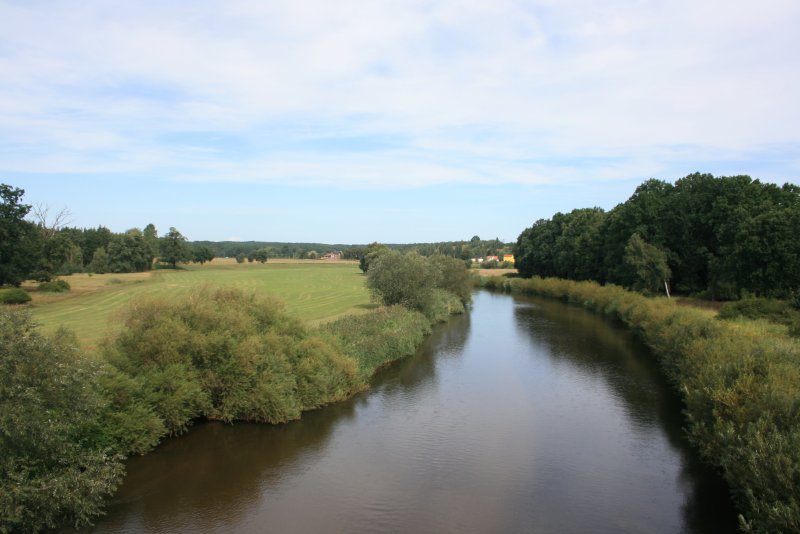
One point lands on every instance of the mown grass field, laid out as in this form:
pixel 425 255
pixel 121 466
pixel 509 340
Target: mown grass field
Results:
pixel 314 291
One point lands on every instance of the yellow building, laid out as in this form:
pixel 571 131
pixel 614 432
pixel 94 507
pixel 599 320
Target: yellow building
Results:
pixel 508 257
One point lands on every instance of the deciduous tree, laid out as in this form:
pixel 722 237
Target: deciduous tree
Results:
pixel 648 263
pixel 20 241
pixel 202 254
pixel 173 248
pixel 53 467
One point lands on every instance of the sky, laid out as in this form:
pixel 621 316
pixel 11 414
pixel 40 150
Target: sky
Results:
pixel 397 121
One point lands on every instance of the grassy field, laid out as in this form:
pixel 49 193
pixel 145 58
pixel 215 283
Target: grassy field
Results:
pixel 314 291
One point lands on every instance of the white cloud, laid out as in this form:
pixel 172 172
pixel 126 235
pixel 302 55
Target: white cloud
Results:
pixel 95 87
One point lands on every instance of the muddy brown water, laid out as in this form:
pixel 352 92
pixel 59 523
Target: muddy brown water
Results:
pixel 524 415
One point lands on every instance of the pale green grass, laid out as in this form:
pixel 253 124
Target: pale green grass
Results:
pixel 313 291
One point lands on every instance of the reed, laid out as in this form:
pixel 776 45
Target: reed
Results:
pixel 739 382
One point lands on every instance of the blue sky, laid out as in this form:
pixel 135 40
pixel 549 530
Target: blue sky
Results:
pixel 357 121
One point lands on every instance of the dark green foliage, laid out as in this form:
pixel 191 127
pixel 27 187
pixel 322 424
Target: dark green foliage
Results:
pixel 369 254
pixel 241 257
pixel 646 213
pixel 454 276
pixel 14 295
pixel 150 235
pixel 720 237
pixel 405 279
pixel 62 255
pixel 55 286
pixel 127 253
pixel 648 265
pixel 173 248
pixel 738 380
pixel 773 310
pixel 53 468
pixel 20 241
pixel 437 286
pixel 93 239
pixel 202 254
pixel 568 246
pixel 261 255
pixel 99 263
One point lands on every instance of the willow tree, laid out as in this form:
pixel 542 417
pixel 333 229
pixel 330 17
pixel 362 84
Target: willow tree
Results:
pixel 649 265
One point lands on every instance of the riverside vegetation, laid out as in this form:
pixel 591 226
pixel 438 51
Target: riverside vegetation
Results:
pixel 68 420
pixel 738 379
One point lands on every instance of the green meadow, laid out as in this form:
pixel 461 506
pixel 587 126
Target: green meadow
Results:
pixel 314 291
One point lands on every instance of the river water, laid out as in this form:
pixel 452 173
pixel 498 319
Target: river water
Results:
pixel 524 415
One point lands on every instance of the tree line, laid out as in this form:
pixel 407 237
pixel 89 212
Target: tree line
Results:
pixel 464 250
pixel 42 249
pixel 716 237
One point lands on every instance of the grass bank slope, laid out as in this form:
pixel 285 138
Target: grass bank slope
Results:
pixel 313 291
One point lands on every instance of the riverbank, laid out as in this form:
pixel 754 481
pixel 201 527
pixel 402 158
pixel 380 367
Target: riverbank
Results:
pixel 69 419
pixel 522 415
pixel 739 381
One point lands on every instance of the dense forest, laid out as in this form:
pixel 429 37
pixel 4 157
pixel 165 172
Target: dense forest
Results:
pixel 718 237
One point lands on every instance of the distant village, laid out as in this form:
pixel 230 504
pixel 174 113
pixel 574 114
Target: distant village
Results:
pixel 506 258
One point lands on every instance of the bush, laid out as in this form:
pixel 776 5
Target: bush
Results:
pixel 380 337
pixel 773 310
pixel 224 355
pixel 453 276
pixel 14 295
pixel 69 268
pixel 56 286
pixel 54 469
pixel 405 279
pixel 436 286
pixel 441 305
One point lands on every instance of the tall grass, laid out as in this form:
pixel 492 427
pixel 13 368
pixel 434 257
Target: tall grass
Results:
pixel 381 337
pixel 740 382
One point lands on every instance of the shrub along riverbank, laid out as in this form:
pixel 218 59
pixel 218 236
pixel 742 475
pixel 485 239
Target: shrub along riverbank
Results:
pixel 67 421
pixel 739 381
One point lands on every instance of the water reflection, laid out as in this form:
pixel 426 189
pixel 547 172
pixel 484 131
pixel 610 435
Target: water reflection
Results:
pixel 522 416
pixel 215 471
pixel 609 351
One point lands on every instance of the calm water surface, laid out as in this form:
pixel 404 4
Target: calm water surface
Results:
pixel 523 416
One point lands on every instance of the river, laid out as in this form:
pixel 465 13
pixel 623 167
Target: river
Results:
pixel 525 415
